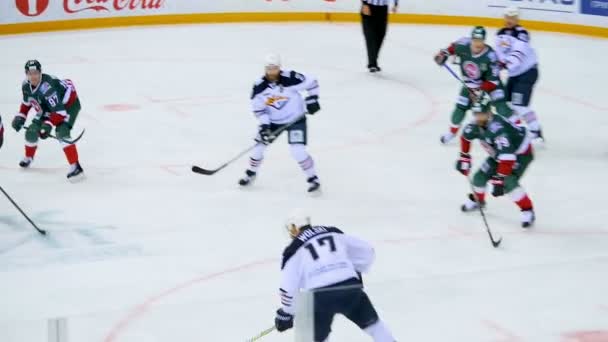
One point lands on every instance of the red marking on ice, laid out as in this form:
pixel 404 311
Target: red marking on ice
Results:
pixel 169 170
pixel 142 308
pixel 179 112
pixel 573 99
pixel 121 107
pixel 505 335
pixel 586 336
pixel 197 99
pixel 381 138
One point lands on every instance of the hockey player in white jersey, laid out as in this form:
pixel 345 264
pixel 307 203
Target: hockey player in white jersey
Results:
pixel 519 58
pixel 327 260
pixel 276 101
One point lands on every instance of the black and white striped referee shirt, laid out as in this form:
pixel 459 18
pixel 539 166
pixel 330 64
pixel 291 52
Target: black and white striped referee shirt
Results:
pixel 380 2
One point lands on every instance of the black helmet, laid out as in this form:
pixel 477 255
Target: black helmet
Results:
pixel 33 65
pixel 479 32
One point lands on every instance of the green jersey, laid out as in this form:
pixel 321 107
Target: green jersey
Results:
pixel 477 68
pixel 51 96
pixel 500 138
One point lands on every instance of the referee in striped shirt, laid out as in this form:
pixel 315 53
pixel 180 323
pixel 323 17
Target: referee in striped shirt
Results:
pixel 374 16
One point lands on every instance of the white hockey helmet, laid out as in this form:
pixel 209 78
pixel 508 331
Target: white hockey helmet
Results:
pixel 298 219
pixel 512 12
pixel 272 60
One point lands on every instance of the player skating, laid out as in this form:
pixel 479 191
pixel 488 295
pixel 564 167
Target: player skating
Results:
pixel 56 105
pixel 480 70
pixel 277 101
pixel 519 58
pixel 510 150
pixel 328 262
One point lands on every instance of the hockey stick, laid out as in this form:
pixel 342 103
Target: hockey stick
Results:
pixel 495 243
pixel 70 142
pixel 41 231
pixel 262 334
pixel 207 172
pixel 451 71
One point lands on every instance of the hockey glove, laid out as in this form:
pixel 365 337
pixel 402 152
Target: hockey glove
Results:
pixel 441 57
pixel 283 321
pixel 18 123
pixel 312 104
pixel 498 182
pixel 45 130
pixel 266 134
pixel 463 164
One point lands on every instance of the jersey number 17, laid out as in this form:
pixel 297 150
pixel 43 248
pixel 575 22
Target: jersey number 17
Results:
pixel 324 241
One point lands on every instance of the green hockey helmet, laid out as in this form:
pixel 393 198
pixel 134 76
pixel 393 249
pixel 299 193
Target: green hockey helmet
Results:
pixel 479 32
pixel 33 65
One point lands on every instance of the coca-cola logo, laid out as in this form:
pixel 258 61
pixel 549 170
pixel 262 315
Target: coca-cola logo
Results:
pixel 32 8
pixel 75 6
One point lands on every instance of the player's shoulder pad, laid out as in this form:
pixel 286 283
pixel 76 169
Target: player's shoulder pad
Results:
pixel 47 82
pixel 504 31
pixel 464 41
pixel 491 53
pixel 259 86
pixel 303 237
pixel 521 34
pixel 291 78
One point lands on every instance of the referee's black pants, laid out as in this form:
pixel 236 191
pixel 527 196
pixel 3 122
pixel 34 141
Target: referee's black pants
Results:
pixel 374 29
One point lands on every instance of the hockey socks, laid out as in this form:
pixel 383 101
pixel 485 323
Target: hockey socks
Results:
pixel 307 164
pixel 71 154
pixel 521 199
pixel 256 158
pixel 30 150
pixel 379 332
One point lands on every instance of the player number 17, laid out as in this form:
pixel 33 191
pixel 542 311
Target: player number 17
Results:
pixel 324 241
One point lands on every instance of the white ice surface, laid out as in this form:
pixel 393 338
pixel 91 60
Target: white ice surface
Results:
pixel 147 251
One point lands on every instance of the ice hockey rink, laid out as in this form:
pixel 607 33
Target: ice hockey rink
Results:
pixel 145 251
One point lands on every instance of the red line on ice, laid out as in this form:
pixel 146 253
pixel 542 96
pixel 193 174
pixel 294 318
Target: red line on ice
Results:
pixel 142 308
pixel 506 335
pixel 573 99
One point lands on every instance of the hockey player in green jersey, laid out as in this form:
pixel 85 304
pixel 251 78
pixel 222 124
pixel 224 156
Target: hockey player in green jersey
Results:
pixel 480 70
pixel 510 151
pixel 56 104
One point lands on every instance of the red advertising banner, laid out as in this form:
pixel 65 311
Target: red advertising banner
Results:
pixel 34 8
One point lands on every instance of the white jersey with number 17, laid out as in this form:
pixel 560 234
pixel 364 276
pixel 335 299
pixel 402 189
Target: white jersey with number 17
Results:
pixel 321 256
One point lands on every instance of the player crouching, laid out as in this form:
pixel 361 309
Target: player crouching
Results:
pixel 329 263
pixel 511 153
pixel 56 104
pixel 276 101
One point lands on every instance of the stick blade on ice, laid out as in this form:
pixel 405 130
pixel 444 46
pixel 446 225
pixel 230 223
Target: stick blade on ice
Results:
pixel 202 171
